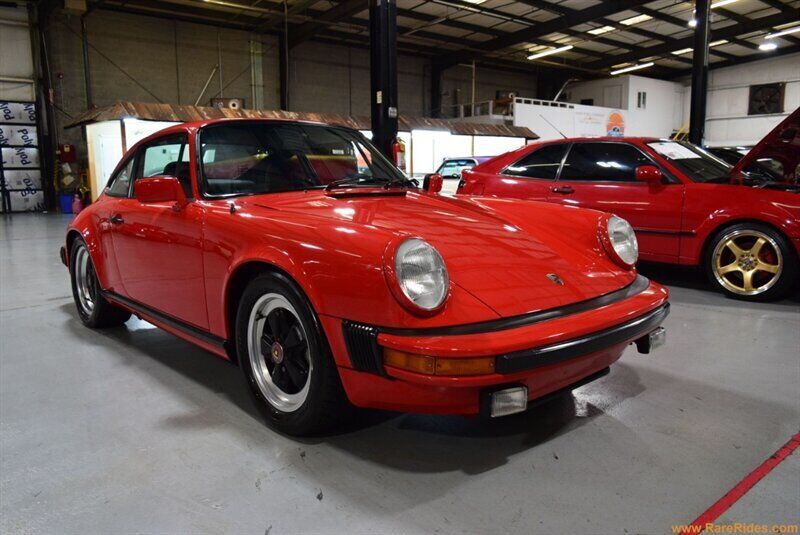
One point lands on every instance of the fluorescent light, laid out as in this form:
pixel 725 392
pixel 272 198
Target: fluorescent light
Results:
pixel 717 43
pixel 633 68
pixel 683 51
pixel 476 2
pixel 602 30
pixel 781 33
pixel 720 3
pixel 692 22
pixel 552 51
pixel 767 46
pixel 635 20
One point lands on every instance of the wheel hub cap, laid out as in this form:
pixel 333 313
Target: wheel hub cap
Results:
pixel 276 352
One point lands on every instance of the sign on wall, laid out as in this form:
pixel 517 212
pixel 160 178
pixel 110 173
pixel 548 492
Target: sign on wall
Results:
pixel 20 170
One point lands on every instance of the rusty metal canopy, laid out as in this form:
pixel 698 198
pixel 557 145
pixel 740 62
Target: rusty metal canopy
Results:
pixel 182 114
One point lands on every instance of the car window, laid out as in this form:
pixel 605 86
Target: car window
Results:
pixel 168 156
pixel 603 162
pixel 453 168
pixel 541 163
pixel 254 158
pixel 120 183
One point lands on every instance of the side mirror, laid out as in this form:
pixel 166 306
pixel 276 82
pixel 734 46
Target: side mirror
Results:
pixel 433 183
pixel 160 189
pixel 649 173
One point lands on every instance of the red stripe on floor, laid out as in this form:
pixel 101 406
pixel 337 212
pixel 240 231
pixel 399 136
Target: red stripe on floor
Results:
pixel 735 494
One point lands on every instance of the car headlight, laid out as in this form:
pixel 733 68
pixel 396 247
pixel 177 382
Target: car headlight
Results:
pixel 419 273
pixel 619 241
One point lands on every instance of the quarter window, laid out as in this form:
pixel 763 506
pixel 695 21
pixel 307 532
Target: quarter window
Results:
pixel 121 182
pixel 603 162
pixel 541 163
pixel 453 168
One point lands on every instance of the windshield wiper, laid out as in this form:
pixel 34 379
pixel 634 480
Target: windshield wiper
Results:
pixel 364 180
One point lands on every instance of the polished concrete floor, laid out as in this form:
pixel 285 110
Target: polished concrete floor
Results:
pixel 132 430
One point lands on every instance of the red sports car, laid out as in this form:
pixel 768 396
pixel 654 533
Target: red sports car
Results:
pixel 686 205
pixel 299 252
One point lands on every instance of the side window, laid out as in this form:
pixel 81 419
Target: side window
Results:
pixel 453 168
pixel 168 156
pixel 603 162
pixel 541 163
pixel 120 184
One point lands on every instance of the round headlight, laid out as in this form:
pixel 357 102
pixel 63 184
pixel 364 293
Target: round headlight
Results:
pixel 421 274
pixel 621 238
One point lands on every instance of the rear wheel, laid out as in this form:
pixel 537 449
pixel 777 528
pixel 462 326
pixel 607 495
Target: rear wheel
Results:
pixel 285 358
pixel 93 309
pixel 751 261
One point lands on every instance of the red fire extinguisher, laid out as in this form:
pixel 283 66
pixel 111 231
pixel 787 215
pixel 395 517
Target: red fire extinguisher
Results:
pixel 399 154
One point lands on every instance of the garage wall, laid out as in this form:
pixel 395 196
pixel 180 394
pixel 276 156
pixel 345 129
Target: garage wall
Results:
pixel 151 59
pixel 727 121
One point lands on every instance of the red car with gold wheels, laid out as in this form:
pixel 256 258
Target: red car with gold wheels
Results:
pixel 686 205
pixel 299 252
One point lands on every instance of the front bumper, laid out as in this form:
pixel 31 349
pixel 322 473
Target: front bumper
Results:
pixel 545 352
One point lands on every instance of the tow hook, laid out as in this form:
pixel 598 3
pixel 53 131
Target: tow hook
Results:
pixel 648 342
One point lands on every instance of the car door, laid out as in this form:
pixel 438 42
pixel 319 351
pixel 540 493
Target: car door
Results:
pixel 532 176
pixel 602 176
pixel 115 192
pixel 159 248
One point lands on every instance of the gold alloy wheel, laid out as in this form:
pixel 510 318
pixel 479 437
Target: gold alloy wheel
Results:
pixel 747 262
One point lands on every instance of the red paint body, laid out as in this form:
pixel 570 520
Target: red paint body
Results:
pixel 181 261
pixel 673 220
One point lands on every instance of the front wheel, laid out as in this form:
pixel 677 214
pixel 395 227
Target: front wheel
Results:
pixel 752 261
pixel 285 358
pixel 93 309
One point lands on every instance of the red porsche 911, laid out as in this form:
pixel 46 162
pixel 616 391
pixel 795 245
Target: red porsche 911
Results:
pixel 299 252
pixel 687 206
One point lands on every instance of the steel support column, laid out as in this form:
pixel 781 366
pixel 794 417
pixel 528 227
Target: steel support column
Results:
pixel 436 90
pixel 383 73
pixel 283 71
pixel 697 117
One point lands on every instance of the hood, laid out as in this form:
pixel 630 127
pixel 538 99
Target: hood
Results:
pixel 501 251
pixel 781 144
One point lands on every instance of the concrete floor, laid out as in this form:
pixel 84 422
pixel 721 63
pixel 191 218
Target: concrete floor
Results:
pixel 132 430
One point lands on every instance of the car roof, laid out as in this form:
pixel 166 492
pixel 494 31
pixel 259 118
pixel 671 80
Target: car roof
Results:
pixel 641 139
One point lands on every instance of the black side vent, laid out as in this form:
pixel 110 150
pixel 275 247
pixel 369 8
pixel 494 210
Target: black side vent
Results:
pixel 362 345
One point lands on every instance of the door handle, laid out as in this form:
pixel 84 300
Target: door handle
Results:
pixel 564 190
pixel 116 219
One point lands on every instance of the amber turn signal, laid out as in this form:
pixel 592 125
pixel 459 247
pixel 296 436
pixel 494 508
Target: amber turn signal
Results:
pixel 428 365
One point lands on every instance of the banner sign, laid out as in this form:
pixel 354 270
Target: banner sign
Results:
pixel 20 169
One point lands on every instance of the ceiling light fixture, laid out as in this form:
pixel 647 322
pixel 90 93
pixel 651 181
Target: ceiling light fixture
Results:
pixel 720 3
pixel 766 47
pixel 717 43
pixel 635 20
pixel 781 33
pixel 602 30
pixel 692 22
pixel 682 51
pixel 550 52
pixel 633 68
pixel 476 2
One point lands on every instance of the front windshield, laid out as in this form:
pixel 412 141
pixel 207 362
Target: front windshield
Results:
pixel 696 163
pixel 262 157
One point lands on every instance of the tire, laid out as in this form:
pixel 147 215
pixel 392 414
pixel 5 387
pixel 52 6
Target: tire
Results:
pixel 286 360
pixel 751 261
pixel 93 309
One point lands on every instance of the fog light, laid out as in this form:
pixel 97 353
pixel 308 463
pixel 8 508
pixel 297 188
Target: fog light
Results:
pixel 508 401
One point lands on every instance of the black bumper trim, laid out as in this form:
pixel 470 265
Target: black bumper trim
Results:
pixel 576 347
pixel 639 285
